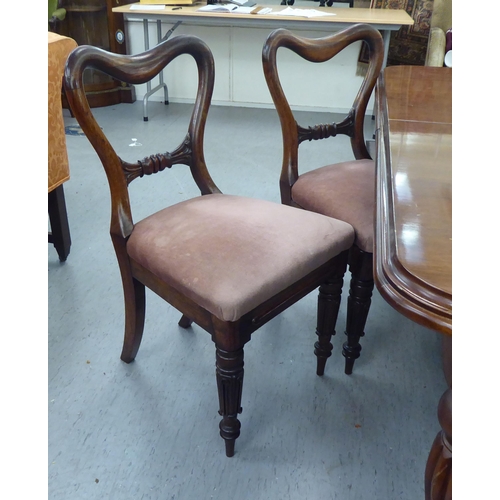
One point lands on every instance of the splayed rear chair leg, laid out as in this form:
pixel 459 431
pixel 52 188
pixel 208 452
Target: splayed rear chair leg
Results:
pixel 185 322
pixel 135 311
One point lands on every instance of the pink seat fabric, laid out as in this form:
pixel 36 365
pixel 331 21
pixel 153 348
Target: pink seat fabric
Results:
pixel 353 183
pixel 226 252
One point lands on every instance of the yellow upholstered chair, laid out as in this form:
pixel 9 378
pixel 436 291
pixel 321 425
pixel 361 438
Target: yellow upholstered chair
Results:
pixel 58 168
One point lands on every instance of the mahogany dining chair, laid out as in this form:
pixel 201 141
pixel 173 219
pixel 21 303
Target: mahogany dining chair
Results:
pixel 343 190
pixel 228 263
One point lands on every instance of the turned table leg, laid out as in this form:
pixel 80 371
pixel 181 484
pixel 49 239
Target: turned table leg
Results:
pixel 438 472
pixel 438 469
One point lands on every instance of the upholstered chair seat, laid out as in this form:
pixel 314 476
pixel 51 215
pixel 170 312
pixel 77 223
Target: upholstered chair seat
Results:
pixel 352 199
pixel 249 238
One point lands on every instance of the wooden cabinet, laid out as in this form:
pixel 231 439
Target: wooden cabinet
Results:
pixel 92 22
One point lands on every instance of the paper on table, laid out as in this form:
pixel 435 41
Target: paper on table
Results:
pixel 244 10
pixel 302 13
pixel 141 6
pixel 230 7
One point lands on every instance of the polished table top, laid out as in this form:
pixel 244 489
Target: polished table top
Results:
pixel 413 240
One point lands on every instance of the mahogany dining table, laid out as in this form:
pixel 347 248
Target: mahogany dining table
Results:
pixel 413 221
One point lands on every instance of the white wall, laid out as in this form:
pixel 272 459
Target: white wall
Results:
pixel 239 78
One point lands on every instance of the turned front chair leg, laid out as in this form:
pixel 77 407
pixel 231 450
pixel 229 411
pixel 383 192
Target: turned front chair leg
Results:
pixel 229 371
pixel 328 309
pixel 358 304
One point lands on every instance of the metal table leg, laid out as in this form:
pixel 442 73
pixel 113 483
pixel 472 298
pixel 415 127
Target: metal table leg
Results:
pixel 162 83
pixel 386 35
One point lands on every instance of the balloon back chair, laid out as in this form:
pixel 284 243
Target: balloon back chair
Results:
pixel 343 190
pixel 227 263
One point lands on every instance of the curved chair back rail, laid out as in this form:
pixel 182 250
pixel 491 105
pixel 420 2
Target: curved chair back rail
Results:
pixel 137 70
pixel 320 50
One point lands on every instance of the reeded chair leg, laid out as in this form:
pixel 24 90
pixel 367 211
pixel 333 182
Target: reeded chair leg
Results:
pixel 358 304
pixel 328 309
pixel 229 371
pixel 135 312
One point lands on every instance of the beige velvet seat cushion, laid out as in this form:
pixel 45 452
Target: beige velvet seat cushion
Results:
pixel 229 253
pixel 345 191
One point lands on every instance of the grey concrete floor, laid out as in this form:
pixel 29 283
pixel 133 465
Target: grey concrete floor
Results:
pixel 149 430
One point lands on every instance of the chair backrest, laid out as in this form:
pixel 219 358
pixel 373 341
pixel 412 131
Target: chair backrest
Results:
pixel 138 69
pixel 318 50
